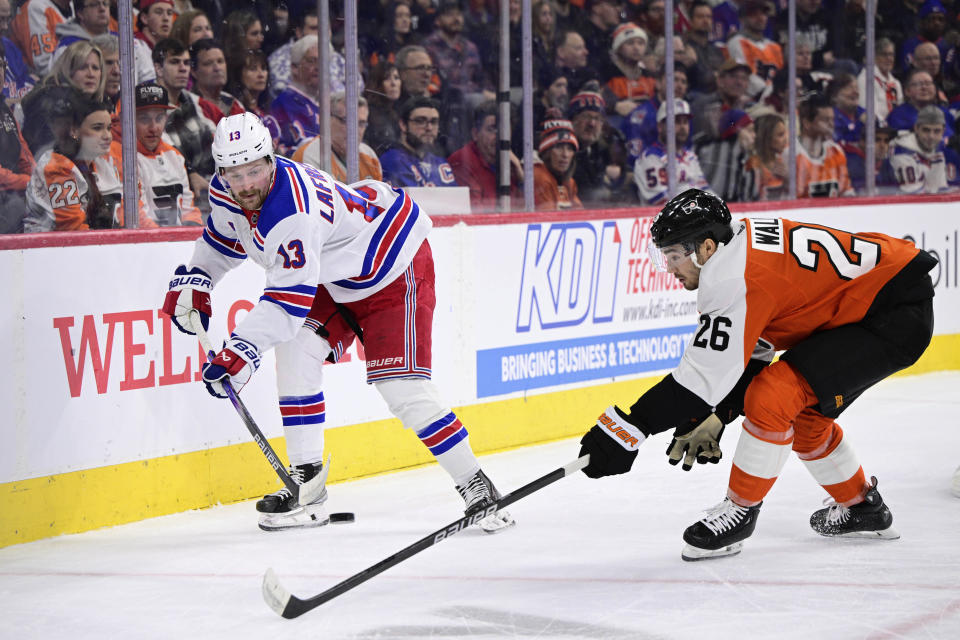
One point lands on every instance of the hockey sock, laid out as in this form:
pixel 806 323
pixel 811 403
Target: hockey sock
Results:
pixel 757 463
pixel 836 468
pixel 303 418
pixel 448 441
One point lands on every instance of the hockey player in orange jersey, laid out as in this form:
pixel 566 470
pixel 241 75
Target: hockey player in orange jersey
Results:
pixel 847 309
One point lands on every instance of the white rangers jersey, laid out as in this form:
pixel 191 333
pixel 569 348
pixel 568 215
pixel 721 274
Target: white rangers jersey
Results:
pixel 915 170
pixel 311 230
pixel 650 173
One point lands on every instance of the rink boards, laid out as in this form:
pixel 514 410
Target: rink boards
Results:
pixel 542 321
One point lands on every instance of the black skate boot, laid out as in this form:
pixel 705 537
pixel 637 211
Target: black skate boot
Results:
pixel 478 494
pixel 868 519
pixel 721 532
pixel 279 510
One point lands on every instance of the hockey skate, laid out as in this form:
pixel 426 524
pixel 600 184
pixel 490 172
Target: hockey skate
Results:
pixel 480 493
pixel 868 519
pixel 280 510
pixel 721 532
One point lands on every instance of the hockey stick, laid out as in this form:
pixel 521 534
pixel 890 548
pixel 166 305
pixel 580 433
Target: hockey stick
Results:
pixel 305 493
pixel 290 606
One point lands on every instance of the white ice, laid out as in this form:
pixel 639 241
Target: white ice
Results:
pixel 588 558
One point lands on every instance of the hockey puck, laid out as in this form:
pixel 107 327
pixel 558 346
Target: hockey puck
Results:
pixel 342 517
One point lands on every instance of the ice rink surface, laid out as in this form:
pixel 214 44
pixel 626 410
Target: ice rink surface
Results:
pixel 588 558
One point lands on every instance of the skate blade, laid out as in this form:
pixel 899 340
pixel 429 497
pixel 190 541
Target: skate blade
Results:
pixel 499 523
pixel 298 519
pixel 884 534
pixel 693 554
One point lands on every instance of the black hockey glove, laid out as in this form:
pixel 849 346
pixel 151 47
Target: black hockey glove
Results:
pixel 701 442
pixel 612 444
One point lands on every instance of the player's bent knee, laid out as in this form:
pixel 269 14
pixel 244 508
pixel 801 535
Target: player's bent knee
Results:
pixel 775 397
pixel 300 364
pixel 415 401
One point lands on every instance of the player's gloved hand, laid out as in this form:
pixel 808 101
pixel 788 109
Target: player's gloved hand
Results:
pixel 188 291
pixel 701 442
pixel 236 362
pixel 612 444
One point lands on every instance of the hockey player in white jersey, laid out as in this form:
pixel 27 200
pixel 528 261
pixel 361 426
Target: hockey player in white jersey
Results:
pixel 341 262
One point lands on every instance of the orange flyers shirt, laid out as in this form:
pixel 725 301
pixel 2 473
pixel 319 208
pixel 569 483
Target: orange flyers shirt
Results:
pixel 775 283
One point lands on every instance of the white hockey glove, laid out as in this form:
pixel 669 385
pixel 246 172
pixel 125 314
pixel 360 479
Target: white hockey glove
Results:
pixel 188 291
pixel 236 362
pixel 701 443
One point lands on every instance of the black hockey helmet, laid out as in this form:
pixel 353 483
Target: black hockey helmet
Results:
pixel 691 217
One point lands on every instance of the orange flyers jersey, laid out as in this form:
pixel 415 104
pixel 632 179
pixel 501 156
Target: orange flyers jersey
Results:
pixel 165 192
pixel 56 196
pixel 34 31
pixel 764 58
pixel 773 285
pixel 823 177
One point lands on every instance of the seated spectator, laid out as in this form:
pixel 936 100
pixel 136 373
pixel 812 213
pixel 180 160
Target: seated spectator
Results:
pixel 933 25
pixel 856 155
pixel 187 128
pixel 723 159
pixel 554 93
pixel 544 32
pixel 887 92
pixel 154 21
pixel 751 47
pixel 79 69
pixel 926 57
pixel 571 59
pixel 726 21
pixel 918 158
pixel 456 57
pixel 190 26
pixel 417 71
pixel 92 19
pixel 208 67
pixel 602 17
pixel 383 93
pixel 109 46
pixel 600 168
pixel 395 33
pixel 165 191
pixel 475 164
pixel 765 173
pixel 305 24
pixel 412 162
pixel 733 78
pixel 242 30
pixel 16 167
pixel 849 116
pixel 628 82
pixel 295 108
pixel 650 171
pixel 309 152
pixel 919 91
pixel 63 194
pixel 15 78
pixel 698 38
pixel 34 30
pixel 640 127
pixel 651 18
pixel 554 188
pixel 249 79
pixel 811 79
pixel 814 26
pixel 821 163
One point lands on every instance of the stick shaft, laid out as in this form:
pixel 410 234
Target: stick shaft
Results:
pixel 296 607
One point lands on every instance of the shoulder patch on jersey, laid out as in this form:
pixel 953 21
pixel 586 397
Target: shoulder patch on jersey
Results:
pixel 766 234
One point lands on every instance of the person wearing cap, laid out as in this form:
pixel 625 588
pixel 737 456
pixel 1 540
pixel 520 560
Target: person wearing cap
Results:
pixel 918 158
pixel 155 21
pixel 554 188
pixel 457 58
pixel 475 164
pixel 295 108
pixel 639 128
pixel 751 47
pixel 412 162
pixel 723 159
pixel 821 163
pixel 165 194
pixel 600 168
pixel 650 171
pixel 627 79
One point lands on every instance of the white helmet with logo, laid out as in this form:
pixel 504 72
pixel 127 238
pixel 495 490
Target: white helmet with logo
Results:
pixel 240 139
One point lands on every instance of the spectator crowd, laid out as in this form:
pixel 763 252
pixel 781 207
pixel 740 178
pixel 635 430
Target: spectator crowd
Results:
pixel 427 116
